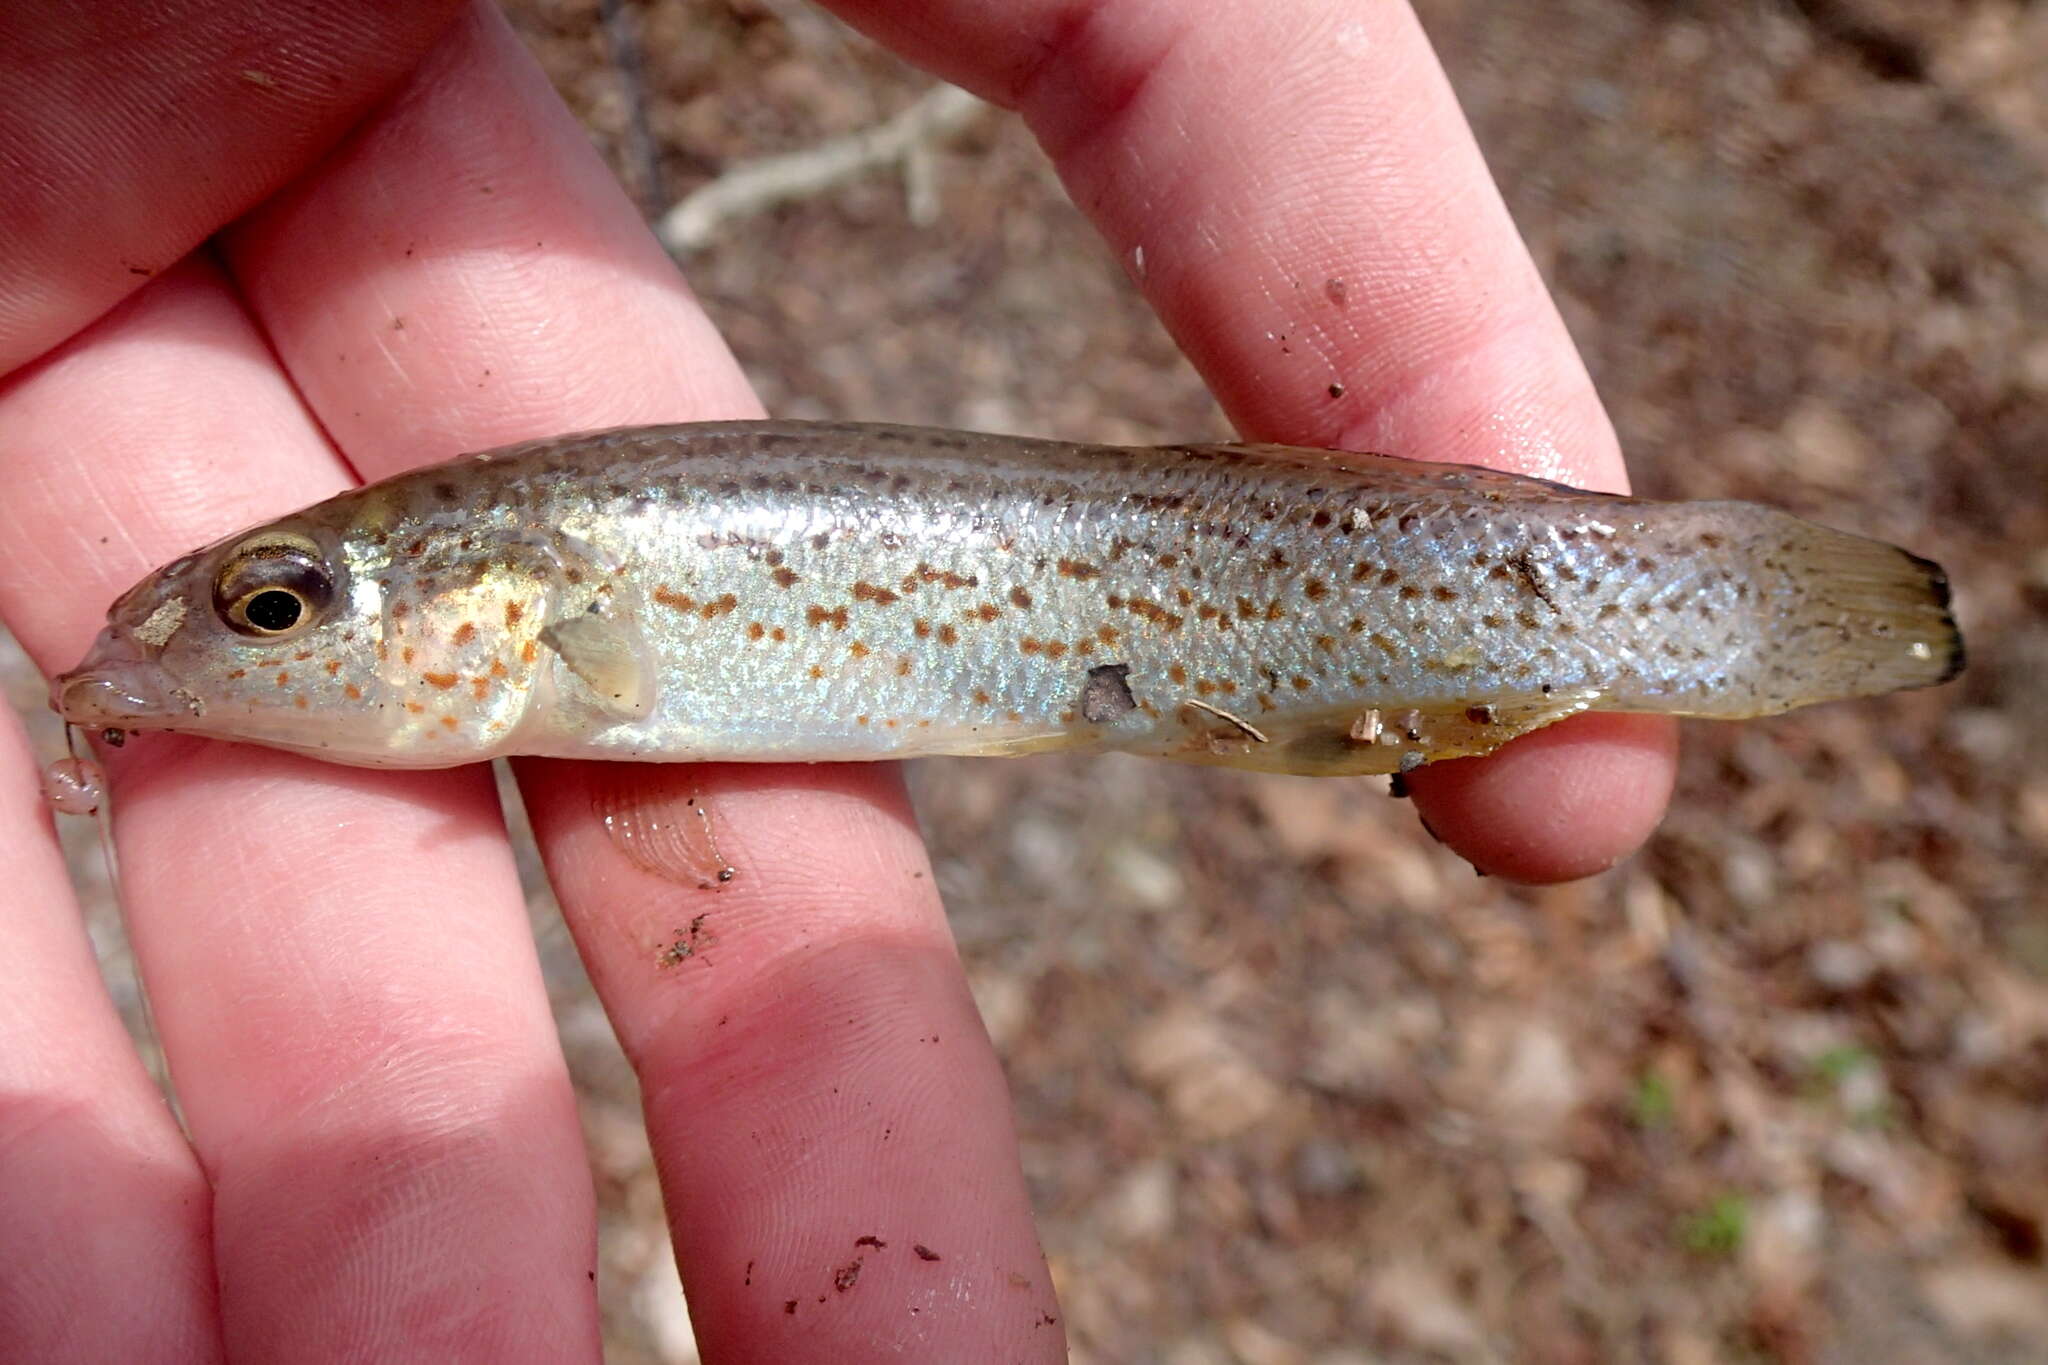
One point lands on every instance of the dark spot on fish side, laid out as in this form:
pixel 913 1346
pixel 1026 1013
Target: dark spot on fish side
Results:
pixel 1107 694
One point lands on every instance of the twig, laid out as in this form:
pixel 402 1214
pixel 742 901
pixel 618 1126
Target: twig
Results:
pixel 623 41
pixel 753 186
pixel 1223 715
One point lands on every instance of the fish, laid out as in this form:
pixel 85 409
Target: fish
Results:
pixel 779 591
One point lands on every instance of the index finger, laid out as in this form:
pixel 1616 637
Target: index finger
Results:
pixel 1296 192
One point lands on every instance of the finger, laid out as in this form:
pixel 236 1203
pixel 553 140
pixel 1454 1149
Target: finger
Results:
pixel 1294 189
pixel 534 302
pixel 339 961
pixel 114 88
pixel 104 1205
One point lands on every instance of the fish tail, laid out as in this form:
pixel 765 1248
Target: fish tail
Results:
pixel 1838 616
pixel 1888 610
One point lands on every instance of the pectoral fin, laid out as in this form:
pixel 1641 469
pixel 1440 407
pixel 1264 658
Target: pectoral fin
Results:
pixel 606 658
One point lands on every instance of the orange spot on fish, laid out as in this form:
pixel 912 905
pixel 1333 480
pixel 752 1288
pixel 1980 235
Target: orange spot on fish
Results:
pixel 786 578
pixel 869 592
pixel 465 632
pixel 945 577
pixel 444 681
pixel 669 597
pixel 514 613
pixel 447 722
pixel 479 687
pixel 352 692
pixel 283 678
pixel 1153 612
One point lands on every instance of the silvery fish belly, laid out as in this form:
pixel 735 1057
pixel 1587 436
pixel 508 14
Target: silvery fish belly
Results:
pixel 793 591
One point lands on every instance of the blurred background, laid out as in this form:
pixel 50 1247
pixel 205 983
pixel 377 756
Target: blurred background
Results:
pixel 1294 1086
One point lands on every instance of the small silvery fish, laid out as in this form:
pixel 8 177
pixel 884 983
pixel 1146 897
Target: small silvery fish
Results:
pixel 805 592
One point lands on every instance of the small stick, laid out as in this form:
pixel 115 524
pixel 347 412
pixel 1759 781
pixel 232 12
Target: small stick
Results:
pixel 641 152
pixel 752 186
pixel 1223 715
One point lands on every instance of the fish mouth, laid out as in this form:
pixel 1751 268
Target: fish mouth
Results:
pixel 119 685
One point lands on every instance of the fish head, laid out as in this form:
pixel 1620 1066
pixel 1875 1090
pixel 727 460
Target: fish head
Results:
pixel 326 633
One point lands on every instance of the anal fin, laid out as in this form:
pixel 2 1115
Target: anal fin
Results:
pixel 1390 738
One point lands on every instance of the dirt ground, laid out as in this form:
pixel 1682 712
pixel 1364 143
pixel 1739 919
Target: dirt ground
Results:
pixel 1295 1087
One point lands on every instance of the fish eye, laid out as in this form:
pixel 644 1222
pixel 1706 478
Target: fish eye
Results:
pixel 272 611
pixel 272 587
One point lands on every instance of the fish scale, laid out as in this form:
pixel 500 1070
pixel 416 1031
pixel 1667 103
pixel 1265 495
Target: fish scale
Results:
pixel 825 591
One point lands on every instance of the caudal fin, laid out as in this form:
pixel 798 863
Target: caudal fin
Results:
pixel 1869 617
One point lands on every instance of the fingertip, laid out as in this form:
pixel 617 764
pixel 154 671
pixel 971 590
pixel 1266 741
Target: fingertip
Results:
pixel 1563 803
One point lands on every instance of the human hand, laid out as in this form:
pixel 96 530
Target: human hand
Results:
pixel 384 1148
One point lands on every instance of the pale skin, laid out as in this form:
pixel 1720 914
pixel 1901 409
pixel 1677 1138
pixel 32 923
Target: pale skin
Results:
pixel 384 1153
